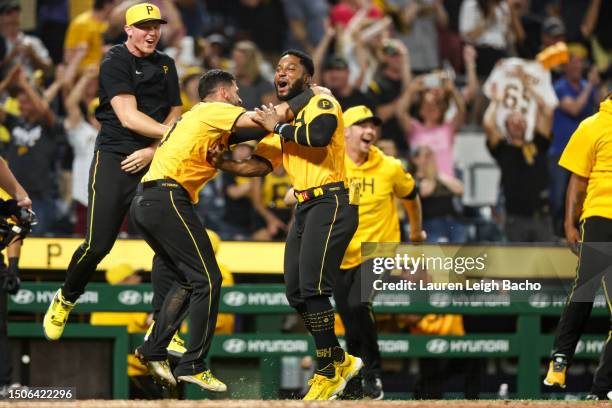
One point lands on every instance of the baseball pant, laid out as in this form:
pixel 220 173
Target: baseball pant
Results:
pixel 594 270
pixel 170 225
pixel 316 244
pixel 110 193
pixel 361 334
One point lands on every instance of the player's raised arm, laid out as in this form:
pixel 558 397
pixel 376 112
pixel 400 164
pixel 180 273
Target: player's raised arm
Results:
pixel 317 132
pixel 284 112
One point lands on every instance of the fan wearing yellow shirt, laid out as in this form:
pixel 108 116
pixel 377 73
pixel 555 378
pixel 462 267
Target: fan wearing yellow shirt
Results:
pixel 163 211
pixel 87 29
pixel 588 156
pixel 311 150
pixel 381 179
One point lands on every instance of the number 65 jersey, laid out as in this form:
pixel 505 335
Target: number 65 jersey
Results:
pixel 514 97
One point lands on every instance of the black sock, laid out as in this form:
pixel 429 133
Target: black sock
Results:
pixel 301 309
pixel 320 321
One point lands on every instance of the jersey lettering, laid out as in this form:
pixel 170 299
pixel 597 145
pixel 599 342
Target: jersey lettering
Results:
pixel 170 132
pixel 299 121
pixel 364 184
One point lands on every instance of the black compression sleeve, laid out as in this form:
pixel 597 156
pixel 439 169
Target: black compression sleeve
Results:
pixel 413 194
pixel 245 135
pixel 316 133
pixel 299 102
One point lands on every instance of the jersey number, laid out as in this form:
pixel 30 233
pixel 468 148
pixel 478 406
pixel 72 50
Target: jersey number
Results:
pixel 299 121
pixel 167 135
pixel 514 100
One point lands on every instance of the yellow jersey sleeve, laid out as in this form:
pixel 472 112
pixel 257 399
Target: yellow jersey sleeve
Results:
pixel 323 104
pixel 270 149
pixel 579 154
pixel 75 34
pixel 222 116
pixel 403 183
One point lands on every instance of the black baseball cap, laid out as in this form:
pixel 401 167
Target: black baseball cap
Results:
pixel 9 5
pixel 336 62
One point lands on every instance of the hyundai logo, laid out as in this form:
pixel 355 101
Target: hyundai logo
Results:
pixel 539 300
pixel 129 297
pixel 23 297
pixel 437 346
pixel 234 346
pixel 440 299
pixel 235 298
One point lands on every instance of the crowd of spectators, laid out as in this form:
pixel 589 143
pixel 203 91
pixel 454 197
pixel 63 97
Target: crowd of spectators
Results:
pixel 421 65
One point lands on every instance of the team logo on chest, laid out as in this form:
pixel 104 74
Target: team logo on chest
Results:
pixel 366 185
pixel 26 137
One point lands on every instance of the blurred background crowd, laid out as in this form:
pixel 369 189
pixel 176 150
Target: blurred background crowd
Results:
pixel 428 68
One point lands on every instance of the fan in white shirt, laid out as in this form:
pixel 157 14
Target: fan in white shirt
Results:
pixel 509 76
pixel 81 133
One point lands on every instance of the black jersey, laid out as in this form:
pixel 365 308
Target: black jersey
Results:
pixel 152 80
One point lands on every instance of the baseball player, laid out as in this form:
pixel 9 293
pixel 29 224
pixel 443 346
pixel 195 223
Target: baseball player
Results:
pixel 588 156
pixel 311 149
pixel 139 99
pixel 163 210
pixel 9 275
pixel 381 179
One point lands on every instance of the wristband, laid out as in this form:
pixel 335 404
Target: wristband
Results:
pixel 278 128
pixel 299 102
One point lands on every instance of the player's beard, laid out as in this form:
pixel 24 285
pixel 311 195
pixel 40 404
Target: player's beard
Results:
pixel 297 88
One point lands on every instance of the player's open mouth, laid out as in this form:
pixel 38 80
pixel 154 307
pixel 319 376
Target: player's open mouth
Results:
pixel 368 140
pixel 150 41
pixel 282 86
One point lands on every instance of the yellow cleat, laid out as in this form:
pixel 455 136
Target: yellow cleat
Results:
pixel 349 367
pixel 205 380
pixel 556 372
pixel 56 316
pixel 176 348
pixel 159 370
pixel 323 388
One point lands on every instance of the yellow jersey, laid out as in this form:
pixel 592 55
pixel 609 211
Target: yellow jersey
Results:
pixel 307 166
pixel 589 154
pixel 273 190
pixel 181 154
pixel 87 30
pixel 381 178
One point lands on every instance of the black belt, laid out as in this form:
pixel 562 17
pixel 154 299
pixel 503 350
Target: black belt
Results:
pixel 162 184
pixel 315 192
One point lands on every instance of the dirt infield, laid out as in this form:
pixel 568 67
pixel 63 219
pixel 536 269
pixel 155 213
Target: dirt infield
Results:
pixel 298 404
